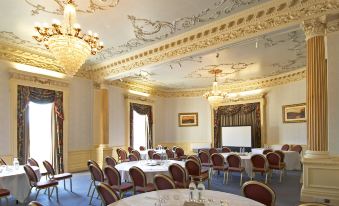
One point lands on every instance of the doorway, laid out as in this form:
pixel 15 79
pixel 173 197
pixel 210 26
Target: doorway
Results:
pixel 140 129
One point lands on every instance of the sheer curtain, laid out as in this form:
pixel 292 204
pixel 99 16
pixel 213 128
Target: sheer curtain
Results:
pixel 142 110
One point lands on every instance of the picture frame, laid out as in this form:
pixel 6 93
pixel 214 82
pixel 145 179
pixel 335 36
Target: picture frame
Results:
pixel 294 113
pixel 188 119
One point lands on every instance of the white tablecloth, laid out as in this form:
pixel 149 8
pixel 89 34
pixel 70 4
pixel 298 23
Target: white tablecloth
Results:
pixel 245 162
pixel 150 171
pixel 292 158
pixel 144 154
pixel 177 197
pixel 16 181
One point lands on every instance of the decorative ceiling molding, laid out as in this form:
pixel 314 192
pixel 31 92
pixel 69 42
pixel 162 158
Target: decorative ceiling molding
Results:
pixel 236 87
pixel 332 26
pixel 37 79
pixel 263 18
pixel 138 98
pixel 243 98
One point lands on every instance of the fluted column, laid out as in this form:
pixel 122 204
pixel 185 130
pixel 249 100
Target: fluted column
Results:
pixel 316 84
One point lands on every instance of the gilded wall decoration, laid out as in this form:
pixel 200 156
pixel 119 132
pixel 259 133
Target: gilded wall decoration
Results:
pixel 38 80
pixel 58 7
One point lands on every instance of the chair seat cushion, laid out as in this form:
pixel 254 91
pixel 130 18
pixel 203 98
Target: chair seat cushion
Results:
pixel 180 184
pixel 255 169
pixel 123 187
pixel 277 167
pixel 204 170
pixel 62 176
pixel 203 176
pixel 4 192
pixel 220 168
pixel 47 183
pixel 207 164
pixel 236 169
pixel 149 187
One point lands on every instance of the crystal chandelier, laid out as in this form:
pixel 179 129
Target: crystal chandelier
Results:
pixel 215 97
pixel 66 41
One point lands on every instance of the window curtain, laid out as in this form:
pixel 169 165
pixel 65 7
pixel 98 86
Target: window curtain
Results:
pixel 142 110
pixel 238 115
pixel 40 96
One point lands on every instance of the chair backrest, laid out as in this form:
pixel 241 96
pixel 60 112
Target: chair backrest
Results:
pixel 179 151
pixel 234 161
pixel 281 154
pixel 285 147
pixel 266 151
pixel 194 157
pixel 49 168
pixel 212 151
pixel 118 153
pixel 217 160
pixel 178 173
pixel 174 148
pixel 110 161
pixel 259 192
pixel 193 167
pixel 123 155
pixel 150 153
pixel 169 153
pixel 113 175
pixel 142 148
pixel 35 203
pixel 156 156
pixel 273 159
pixel 31 175
pixel 32 162
pixel 107 194
pixel 96 173
pixel 163 182
pixel 138 176
pixel 130 149
pixel 259 161
pixel 204 157
pixel 137 154
pixel 90 162
pixel 2 162
pixel 132 157
pixel 226 150
pixel 297 148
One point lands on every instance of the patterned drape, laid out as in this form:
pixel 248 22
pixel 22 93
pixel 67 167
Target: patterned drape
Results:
pixel 41 96
pixel 238 115
pixel 142 110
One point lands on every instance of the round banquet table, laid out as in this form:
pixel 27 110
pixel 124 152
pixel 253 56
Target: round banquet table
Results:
pixel 177 197
pixel 150 171
pixel 245 162
pixel 16 181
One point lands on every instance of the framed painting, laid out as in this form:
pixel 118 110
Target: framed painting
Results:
pixel 294 113
pixel 188 119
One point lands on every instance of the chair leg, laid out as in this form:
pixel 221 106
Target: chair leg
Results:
pixel 89 189
pixel 209 183
pixel 70 181
pixel 7 201
pixel 224 177
pixel 266 178
pixel 227 173
pixel 240 178
pixel 281 173
pixel 90 201
pixel 37 193
pixel 57 193
pixel 64 184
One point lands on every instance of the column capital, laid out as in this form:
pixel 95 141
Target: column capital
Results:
pixel 313 28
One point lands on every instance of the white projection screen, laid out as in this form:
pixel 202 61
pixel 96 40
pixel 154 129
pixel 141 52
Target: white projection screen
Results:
pixel 236 136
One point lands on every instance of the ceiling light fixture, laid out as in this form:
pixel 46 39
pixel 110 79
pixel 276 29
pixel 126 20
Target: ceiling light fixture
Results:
pixel 66 41
pixel 215 97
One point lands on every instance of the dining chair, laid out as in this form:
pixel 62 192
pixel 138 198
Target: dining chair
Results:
pixel 2 162
pixel 259 192
pixel 90 162
pixel 260 164
pixel 212 151
pixel 110 161
pixel 132 157
pixel 285 147
pixel 114 180
pixel 142 148
pixel 282 156
pixel 4 193
pixel 150 153
pixel 179 175
pixel 107 194
pixel 39 185
pixel 206 162
pixel 163 182
pixel 130 149
pixel 139 181
pixel 274 163
pixel 156 156
pixel 266 151
pixel 180 153
pixel 32 162
pixel 97 176
pixel 118 153
pixel 234 165
pixel 35 203
pixel 170 154
pixel 218 162
pixel 194 170
pixel 123 155
pixel 226 150
pixel 62 176
pixel 137 154
pixel 297 148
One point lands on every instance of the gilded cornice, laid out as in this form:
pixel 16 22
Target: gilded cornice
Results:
pixel 138 98
pixel 38 79
pixel 230 88
pixel 269 16
pixel 314 27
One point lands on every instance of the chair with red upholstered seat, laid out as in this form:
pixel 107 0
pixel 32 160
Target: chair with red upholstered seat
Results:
pixel 226 150
pixel 107 194
pixel 275 163
pixel 97 176
pixel 137 154
pixel 212 151
pixel 142 148
pixel 35 203
pixel 2 162
pixel 118 153
pixel 234 165
pixel 170 154
pixel 218 162
pixel 139 181
pixel 179 175
pixel 156 156
pixel 39 185
pixel 163 182
pixel 110 161
pixel 123 155
pixel 62 176
pixel 132 157
pixel 297 148
pixel 33 162
pixel 260 164
pixel 285 147
pixel 114 180
pixel 266 151
pixel 180 153
pixel 90 162
pixel 259 192
pixel 194 170
pixel 130 149
pixel 150 153
pixel 205 161
pixel 4 193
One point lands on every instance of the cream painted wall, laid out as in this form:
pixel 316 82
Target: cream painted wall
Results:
pixel 333 87
pixel 4 112
pixel 277 131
